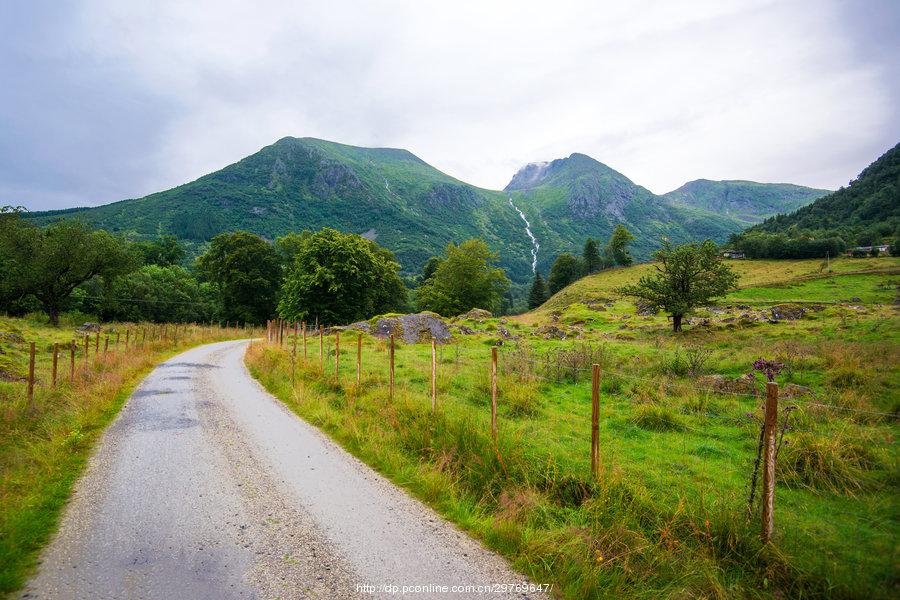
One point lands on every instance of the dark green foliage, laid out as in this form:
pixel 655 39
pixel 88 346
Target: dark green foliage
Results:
pixel 466 278
pixel 565 270
pixel 247 272
pixel 686 276
pixel 538 293
pixel 617 247
pixel 164 251
pixel 865 212
pixel 758 244
pixel 590 257
pixel 49 263
pixel 337 278
pixel 430 267
pixel 162 294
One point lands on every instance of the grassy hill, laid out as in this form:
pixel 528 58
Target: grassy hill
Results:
pixel 746 201
pixel 408 206
pixel 753 274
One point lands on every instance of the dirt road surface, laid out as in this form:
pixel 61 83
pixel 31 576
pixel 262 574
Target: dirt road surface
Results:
pixel 207 487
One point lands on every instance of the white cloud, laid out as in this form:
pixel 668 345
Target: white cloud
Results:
pixel 662 91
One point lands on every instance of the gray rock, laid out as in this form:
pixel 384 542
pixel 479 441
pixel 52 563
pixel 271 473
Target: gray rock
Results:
pixel 420 327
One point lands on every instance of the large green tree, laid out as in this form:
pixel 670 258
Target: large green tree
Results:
pixel 246 269
pixel 538 293
pixel 164 251
pixel 565 270
pixel 684 277
pixel 337 278
pixel 466 278
pixel 161 294
pixel 617 247
pixel 48 263
pixel 591 258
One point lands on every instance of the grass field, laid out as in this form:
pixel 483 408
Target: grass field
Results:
pixel 668 515
pixel 44 447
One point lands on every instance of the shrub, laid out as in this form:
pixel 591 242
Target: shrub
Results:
pixel 656 418
pixel 832 462
pixel 692 362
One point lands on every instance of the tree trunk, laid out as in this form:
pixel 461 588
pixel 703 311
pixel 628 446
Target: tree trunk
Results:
pixel 676 323
pixel 53 313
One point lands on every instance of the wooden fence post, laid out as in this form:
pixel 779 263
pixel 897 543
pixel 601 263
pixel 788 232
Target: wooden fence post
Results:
pixel 106 345
pixel 72 362
pixel 97 344
pixel 294 359
pixel 87 342
pixel 337 357
pixel 31 377
pixel 127 338
pixel 117 339
pixel 55 359
pixel 358 359
pixel 433 376
pixel 392 369
pixel 303 326
pixel 494 392
pixel 595 420
pixel 322 348
pixel 768 482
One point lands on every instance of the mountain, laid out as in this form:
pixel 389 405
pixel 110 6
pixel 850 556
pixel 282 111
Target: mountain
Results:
pixel 868 208
pixel 570 199
pixel 388 195
pixel 746 201
pixel 408 206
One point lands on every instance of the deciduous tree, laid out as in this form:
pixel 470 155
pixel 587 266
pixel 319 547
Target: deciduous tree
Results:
pixel 466 278
pixel 683 278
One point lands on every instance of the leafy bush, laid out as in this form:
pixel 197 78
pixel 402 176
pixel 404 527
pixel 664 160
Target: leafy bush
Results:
pixel 656 418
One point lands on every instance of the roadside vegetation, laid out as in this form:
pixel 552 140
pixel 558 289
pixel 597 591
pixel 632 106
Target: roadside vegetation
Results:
pixel 668 514
pixel 45 444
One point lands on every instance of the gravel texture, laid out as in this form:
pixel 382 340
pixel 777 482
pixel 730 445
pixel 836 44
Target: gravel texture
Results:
pixel 207 487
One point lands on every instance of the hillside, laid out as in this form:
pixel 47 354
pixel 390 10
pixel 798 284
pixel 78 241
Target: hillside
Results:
pixel 408 206
pixel 746 201
pixel 753 274
pixel 385 194
pixel 867 209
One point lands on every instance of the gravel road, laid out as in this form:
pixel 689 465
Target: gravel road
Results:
pixel 206 486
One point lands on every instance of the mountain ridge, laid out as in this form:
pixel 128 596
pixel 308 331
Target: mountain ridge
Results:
pixel 405 204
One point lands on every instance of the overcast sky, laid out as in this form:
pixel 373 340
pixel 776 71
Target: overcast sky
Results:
pixel 104 100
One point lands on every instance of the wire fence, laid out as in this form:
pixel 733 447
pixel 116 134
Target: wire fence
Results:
pixel 687 448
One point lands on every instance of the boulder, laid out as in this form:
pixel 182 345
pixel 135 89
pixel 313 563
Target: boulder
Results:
pixel 88 327
pixel 420 327
pixel 551 332
pixel 646 310
pixel 720 383
pixel 787 312
pixel 11 338
pixel 360 326
pixel 476 314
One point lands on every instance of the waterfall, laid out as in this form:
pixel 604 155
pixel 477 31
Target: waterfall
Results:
pixel 535 245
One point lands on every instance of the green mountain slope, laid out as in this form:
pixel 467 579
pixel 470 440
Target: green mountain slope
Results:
pixel 570 199
pixel 746 201
pixel 388 195
pixel 865 210
pixel 408 206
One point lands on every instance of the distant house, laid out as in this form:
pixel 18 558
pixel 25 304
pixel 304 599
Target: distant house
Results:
pixel 858 250
pixel 732 254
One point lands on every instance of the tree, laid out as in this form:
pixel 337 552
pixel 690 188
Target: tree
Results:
pixel 247 272
pixel 466 278
pixel 685 277
pixel 162 294
pixel 52 261
pixel 538 293
pixel 339 278
pixel 591 257
pixel 565 270
pixel 617 247
pixel 164 251
pixel 430 267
